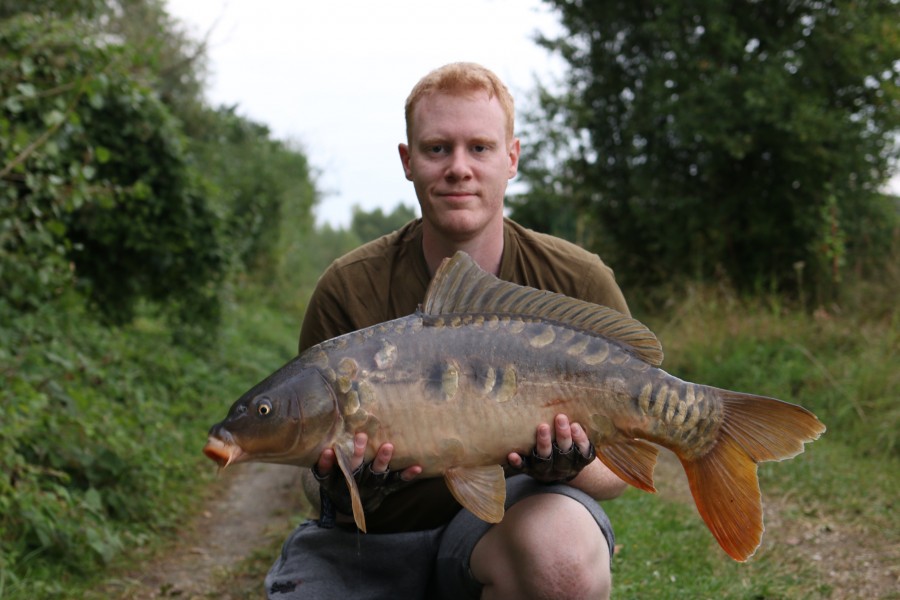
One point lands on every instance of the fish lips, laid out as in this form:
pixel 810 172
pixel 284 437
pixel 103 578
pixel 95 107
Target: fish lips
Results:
pixel 222 452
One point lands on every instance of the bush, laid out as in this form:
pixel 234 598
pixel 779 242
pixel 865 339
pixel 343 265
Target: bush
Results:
pixel 97 190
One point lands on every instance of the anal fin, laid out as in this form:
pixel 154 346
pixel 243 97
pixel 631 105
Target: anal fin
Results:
pixel 481 490
pixel 343 460
pixel 632 460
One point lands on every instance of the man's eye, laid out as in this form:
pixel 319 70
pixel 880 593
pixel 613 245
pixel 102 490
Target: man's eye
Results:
pixel 437 149
pixel 478 149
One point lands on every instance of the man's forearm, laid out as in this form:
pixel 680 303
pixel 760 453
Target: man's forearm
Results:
pixel 597 481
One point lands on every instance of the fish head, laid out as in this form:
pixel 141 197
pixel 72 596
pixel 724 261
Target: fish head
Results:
pixel 287 418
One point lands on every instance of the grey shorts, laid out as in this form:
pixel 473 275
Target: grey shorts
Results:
pixel 325 564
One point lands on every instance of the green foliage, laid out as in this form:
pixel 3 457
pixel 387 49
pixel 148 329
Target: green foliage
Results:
pixel 97 192
pixel 839 365
pixel 103 191
pixel 100 433
pixel 303 260
pixel 709 138
pixel 60 8
pixel 263 187
pixel 375 223
pixel 106 204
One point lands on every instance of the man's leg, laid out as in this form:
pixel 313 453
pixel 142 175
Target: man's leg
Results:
pixel 555 541
pixel 326 564
pixel 548 546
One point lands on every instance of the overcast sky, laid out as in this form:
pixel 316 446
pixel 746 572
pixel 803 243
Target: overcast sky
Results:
pixel 334 75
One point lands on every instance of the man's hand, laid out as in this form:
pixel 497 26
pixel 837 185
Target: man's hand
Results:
pixel 551 462
pixel 374 479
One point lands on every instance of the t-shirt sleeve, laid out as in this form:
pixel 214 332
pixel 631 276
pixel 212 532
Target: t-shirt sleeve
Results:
pixel 600 287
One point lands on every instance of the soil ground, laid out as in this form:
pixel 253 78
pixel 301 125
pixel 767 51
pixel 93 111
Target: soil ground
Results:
pixel 255 506
pixel 251 509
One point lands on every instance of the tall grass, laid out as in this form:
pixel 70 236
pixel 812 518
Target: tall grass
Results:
pixel 841 364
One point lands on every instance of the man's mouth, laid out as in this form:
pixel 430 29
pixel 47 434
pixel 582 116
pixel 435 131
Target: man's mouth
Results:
pixel 457 194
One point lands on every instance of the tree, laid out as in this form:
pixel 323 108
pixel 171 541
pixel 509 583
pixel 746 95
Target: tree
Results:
pixel 705 137
pixel 261 187
pixel 117 179
pixel 368 225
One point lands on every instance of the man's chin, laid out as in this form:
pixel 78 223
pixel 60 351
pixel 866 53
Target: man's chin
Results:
pixel 462 224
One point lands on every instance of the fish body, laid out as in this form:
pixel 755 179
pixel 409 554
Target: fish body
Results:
pixel 458 385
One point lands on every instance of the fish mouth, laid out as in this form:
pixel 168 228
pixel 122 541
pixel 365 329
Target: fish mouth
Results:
pixel 222 453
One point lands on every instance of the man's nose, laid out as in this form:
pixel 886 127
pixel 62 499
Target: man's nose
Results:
pixel 459 167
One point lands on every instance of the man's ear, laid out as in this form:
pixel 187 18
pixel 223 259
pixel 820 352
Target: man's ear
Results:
pixel 514 150
pixel 404 158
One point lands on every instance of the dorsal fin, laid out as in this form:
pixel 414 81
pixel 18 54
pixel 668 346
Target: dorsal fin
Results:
pixel 460 286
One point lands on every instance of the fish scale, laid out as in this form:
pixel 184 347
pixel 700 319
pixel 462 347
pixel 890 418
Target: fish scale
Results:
pixel 464 381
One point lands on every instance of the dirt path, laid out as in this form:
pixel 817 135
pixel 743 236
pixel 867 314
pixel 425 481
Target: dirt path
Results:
pixel 254 506
pixel 257 505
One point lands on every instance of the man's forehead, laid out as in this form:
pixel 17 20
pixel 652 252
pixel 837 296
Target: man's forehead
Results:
pixel 473 111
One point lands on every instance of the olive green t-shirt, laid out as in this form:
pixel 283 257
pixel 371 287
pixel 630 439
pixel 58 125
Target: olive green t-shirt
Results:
pixel 387 278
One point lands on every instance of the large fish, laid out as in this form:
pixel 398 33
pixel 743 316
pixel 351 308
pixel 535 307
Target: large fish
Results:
pixel 466 379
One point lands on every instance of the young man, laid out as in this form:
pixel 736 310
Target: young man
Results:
pixel 554 541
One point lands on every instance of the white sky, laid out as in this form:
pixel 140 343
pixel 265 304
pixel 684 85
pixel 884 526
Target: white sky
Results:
pixel 333 75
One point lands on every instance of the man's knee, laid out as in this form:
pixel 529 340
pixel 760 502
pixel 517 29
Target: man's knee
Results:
pixel 548 545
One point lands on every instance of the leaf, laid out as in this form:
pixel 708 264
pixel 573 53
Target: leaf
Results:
pixel 102 154
pixel 27 90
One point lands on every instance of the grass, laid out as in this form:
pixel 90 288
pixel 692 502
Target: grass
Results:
pixel 840 366
pixel 101 432
pixel 825 508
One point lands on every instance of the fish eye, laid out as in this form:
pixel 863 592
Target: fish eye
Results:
pixel 264 408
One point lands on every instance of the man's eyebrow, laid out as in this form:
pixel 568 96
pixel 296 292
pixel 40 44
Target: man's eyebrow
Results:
pixel 477 141
pixel 484 141
pixel 433 141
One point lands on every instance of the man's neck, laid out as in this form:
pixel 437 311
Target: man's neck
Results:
pixel 486 248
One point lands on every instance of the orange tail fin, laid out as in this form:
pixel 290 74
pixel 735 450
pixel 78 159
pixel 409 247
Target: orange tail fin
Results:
pixel 724 481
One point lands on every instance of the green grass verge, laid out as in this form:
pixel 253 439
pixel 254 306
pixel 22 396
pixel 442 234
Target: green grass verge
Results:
pixel 101 431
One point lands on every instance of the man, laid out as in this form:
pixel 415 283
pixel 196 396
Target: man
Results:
pixel 554 541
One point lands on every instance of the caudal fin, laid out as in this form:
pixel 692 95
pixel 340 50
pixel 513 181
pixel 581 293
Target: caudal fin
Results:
pixel 724 481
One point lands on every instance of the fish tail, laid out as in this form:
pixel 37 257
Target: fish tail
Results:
pixel 724 481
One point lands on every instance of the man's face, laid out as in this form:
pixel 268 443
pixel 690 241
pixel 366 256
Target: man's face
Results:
pixel 459 160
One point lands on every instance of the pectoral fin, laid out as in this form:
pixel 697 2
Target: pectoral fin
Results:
pixel 343 460
pixel 632 460
pixel 481 490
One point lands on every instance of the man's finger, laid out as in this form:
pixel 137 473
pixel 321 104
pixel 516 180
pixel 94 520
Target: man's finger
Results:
pixel 580 438
pixel 360 440
pixel 383 458
pixel 325 462
pixel 563 433
pixel 544 441
pixel 411 473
